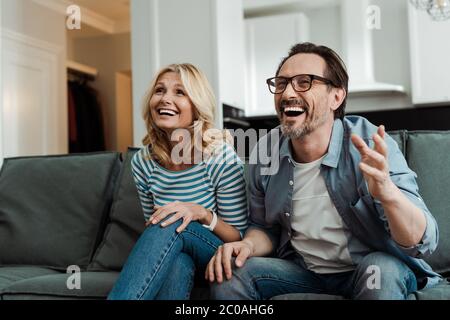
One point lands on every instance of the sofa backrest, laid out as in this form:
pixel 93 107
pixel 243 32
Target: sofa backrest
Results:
pixel 400 137
pixel 126 222
pixel 53 208
pixel 427 153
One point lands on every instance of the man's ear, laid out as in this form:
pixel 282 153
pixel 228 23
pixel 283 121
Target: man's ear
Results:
pixel 339 95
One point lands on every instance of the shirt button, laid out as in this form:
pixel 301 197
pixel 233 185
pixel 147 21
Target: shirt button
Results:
pixel 287 214
pixel 291 182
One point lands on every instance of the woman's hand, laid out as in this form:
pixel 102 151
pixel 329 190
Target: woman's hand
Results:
pixel 181 210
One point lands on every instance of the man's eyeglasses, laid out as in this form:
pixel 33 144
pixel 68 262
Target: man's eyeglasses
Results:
pixel 300 82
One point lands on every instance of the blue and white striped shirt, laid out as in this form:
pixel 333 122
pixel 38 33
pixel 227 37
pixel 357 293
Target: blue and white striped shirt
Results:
pixel 217 183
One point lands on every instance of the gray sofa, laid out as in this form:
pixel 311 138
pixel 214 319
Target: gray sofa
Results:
pixel 83 210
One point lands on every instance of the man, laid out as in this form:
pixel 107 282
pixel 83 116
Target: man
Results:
pixel 342 215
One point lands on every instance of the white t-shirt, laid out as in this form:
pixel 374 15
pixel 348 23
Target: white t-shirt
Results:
pixel 319 234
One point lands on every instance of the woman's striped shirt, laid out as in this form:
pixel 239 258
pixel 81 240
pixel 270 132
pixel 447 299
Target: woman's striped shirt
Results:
pixel 216 183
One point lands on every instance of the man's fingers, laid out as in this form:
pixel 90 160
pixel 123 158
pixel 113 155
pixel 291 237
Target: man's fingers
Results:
pixel 242 257
pixel 218 265
pixel 373 172
pixel 381 131
pixel 371 156
pixel 380 144
pixel 209 273
pixel 359 143
pixel 375 159
pixel 226 260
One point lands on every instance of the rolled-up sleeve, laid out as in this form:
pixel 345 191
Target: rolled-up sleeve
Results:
pixel 405 179
pixel 430 238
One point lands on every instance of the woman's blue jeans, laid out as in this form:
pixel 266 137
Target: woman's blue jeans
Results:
pixel 163 263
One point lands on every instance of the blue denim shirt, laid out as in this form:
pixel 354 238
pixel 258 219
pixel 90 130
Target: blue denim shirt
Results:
pixel 270 189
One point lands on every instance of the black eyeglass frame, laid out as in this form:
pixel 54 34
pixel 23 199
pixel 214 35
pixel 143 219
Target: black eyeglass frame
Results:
pixel 312 77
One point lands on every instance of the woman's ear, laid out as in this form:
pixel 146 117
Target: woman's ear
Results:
pixel 339 95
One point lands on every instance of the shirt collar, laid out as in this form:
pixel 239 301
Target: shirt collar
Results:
pixel 334 148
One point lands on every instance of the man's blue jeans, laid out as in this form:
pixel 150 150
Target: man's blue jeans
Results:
pixel 163 262
pixel 264 278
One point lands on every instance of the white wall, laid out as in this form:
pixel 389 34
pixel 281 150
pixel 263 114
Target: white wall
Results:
pixel 109 54
pixel 24 19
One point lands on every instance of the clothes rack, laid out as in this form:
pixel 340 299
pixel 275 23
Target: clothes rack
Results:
pixel 80 70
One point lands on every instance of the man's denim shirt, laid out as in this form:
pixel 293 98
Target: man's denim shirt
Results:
pixel 270 188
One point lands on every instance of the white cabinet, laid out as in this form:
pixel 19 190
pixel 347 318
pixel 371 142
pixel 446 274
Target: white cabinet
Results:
pixel 430 58
pixel 268 40
pixel 230 53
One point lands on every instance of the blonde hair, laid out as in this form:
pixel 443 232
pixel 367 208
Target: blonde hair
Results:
pixel 202 97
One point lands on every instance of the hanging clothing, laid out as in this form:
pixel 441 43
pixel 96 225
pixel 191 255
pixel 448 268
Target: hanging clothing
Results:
pixel 72 117
pixel 85 119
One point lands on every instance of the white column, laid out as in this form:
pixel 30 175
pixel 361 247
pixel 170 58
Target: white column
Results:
pixel 357 41
pixel 144 57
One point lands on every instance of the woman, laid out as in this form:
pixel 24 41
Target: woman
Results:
pixel 191 188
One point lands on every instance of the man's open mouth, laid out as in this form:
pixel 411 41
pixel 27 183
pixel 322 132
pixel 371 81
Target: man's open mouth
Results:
pixel 293 111
pixel 167 112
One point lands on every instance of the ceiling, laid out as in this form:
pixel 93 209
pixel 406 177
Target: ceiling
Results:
pixel 101 17
pixel 116 10
pixel 309 4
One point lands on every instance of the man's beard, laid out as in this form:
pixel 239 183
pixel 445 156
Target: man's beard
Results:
pixel 311 123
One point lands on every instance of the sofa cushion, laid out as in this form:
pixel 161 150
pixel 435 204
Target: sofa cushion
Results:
pixel 427 155
pixel 10 275
pixel 93 285
pixel 53 208
pixel 126 222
